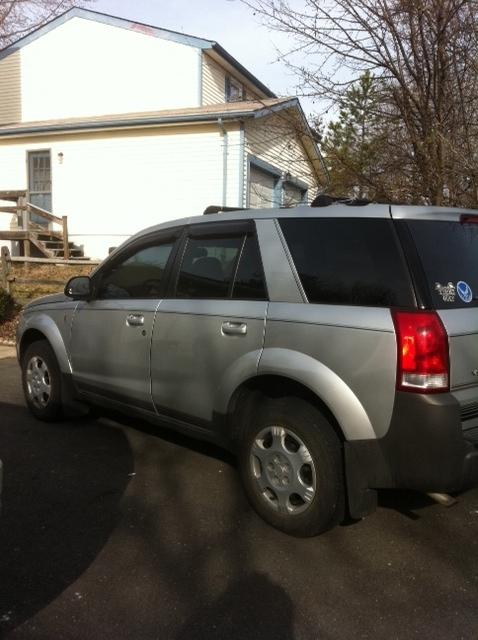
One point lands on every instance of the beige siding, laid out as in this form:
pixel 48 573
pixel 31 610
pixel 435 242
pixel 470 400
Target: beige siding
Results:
pixel 113 184
pixel 10 89
pixel 252 95
pixel 275 141
pixel 213 81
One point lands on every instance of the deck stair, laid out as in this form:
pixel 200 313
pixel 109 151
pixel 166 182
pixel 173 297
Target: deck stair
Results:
pixel 45 239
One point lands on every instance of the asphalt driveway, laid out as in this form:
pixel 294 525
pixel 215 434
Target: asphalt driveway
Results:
pixel 129 532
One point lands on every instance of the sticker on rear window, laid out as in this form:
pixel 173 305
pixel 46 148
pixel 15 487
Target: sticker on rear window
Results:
pixel 464 291
pixel 446 291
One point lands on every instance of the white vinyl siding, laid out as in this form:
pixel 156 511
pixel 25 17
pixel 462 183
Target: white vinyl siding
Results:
pixel 91 68
pixel 113 184
pixel 10 89
pixel 213 81
pixel 274 140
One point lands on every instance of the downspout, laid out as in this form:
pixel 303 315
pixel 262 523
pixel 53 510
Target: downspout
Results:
pixel 242 164
pixel 220 123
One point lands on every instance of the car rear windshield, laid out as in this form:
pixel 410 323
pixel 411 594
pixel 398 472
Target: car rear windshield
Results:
pixel 449 255
pixel 355 261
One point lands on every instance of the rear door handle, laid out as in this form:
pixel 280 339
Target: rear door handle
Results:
pixel 234 328
pixel 135 320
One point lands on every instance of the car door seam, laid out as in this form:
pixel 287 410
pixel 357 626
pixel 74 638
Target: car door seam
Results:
pixel 153 324
pixel 261 350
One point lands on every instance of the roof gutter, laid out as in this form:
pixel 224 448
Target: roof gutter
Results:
pixel 123 124
pixel 151 121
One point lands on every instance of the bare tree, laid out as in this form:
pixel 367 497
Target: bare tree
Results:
pixel 423 52
pixel 19 17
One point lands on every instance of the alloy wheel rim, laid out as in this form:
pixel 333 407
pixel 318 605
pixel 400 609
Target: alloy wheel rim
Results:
pixel 283 470
pixel 38 382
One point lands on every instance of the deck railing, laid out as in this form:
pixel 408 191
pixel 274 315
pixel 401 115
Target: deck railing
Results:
pixel 28 232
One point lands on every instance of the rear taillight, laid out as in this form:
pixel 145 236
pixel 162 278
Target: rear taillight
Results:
pixel 468 218
pixel 422 360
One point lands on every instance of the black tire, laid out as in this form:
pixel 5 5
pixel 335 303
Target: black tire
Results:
pixel 50 408
pixel 300 419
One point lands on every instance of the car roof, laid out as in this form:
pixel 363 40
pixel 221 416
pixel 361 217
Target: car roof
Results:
pixel 304 211
pixel 397 212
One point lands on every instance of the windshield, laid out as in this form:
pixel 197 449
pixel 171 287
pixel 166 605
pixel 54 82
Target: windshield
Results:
pixel 449 255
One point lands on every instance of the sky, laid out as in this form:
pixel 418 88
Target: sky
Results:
pixel 228 22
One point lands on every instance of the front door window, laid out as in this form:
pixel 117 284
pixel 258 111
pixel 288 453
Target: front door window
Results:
pixel 39 182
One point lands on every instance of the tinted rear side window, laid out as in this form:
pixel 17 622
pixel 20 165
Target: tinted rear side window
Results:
pixel 449 255
pixel 349 261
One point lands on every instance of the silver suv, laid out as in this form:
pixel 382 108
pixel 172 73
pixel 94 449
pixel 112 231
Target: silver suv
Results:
pixel 334 349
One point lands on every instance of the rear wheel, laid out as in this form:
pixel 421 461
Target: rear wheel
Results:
pixel 291 467
pixel 41 379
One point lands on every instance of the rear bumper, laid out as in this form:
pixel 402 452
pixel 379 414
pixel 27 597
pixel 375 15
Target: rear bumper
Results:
pixel 424 449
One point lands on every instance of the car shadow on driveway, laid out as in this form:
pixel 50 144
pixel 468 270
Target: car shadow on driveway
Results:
pixel 239 609
pixel 62 487
pixel 408 503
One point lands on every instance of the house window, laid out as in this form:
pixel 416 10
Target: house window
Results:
pixel 293 194
pixel 263 188
pixel 234 90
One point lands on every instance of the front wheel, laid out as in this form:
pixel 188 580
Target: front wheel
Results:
pixel 291 467
pixel 41 380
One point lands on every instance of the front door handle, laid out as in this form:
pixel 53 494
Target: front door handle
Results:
pixel 135 320
pixel 234 328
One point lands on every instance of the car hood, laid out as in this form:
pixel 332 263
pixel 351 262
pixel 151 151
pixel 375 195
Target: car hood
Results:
pixel 51 299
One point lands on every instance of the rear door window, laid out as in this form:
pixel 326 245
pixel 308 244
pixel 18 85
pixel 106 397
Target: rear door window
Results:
pixel 349 261
pixel 224 264
pixel 208 267
pixel 449 254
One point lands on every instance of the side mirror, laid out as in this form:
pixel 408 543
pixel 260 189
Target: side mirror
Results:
pixel 78 288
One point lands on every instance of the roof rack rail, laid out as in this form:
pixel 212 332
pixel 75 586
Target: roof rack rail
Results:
pixel 324 200
pixel 216 209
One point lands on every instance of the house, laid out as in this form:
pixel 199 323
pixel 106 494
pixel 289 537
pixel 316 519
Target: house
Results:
pixel 119 125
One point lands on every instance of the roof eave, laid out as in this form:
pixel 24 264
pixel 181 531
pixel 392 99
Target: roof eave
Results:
pixel 242 70
pixel 309 140
pixel 104 18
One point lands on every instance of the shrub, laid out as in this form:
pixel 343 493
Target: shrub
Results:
pixel 7 305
